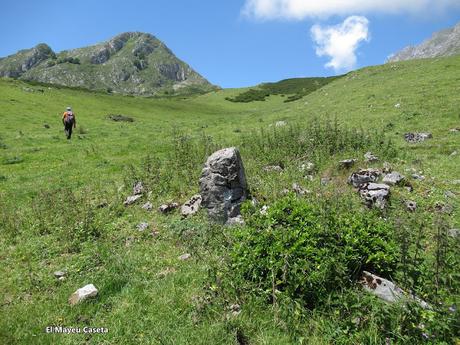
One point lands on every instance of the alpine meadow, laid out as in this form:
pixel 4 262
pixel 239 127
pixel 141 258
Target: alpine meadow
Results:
pixel 343 211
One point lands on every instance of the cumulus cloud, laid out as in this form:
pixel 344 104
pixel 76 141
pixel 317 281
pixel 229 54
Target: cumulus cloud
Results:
pixel 300 9
pixel 340 42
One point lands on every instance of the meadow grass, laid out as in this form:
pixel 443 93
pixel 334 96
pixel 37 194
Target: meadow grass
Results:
pixel 61 207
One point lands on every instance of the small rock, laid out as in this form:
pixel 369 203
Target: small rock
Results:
pixel 192 206
pixel 131 199
pixel 325 181
pixel 238 220
pixel 398 105
pixel 309 177
pixel 138 188
pixel 185 256
pixel 61 279
pixel 363 176
pixel 307 167
pixel 82 294
pixel 59 274
pixel 264 210
pixel 285 191
pixel 454 153
pixel 280 123
pixel 454 130
pixel 375 194
pixel 453 232
pixel 166 208
pixel 417 137
pixel 393 178
pixel 443 208
pixel 370 157
pixel 411 206
pixel 148 206
pixel 347 163
pixel 449 194
pixel 299 190
pixel 387 290
pixel 142 226
pixel 235 309
pixel 418 177
pixel 272 168
pixel 47 126
pixel 455 182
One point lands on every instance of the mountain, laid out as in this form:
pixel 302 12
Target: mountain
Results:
pixel 130 63
pixel 442 43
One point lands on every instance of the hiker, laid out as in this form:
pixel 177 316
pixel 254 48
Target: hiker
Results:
pixel 69 122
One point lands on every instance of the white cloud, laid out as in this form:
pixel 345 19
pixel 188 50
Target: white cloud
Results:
pixel 300 9
pixel 340 42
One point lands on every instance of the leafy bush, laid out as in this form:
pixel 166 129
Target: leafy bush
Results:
pixel 309 249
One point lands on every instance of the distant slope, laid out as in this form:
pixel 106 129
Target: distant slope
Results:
pixel 295 88
pixel 130 63
pixel 442 43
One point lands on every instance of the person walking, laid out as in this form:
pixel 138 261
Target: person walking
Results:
pixel 69 122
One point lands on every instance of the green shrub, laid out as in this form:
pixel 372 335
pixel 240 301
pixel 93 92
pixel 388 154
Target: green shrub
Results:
pixel 308 249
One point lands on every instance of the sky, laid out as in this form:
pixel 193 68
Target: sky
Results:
pixel 237 43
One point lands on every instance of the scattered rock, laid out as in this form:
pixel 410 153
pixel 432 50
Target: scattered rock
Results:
pixel 121 118
pixel 223 185
pixel 47 126
pixel 299 190
pixel 307 167
pixel 238 220
pixel 59 274
pixel 82 294
pixel 309 177
pixel 166 208
pixel 138 188
pixel 347 163
pixel 454 130
pixel 264 210
pixel 417 137
pixel 273 168
pixel 443 208
pixel 192 206
pixel 370 157
pixel 61 279
pixel 387 290
pixel 285 191
pixel 131 199
pixel 411 206
pixel 418 177
pixel 142 226
pixel 185 256
pixel 325 181
pixel 148 206
pixel 393 178
pixel 364 176
pixel 398 105
pixel 449 194
pixel 280 123
pixel 453 232
pixel 454 153
pixel 375 194
pixel 235 309
pixel 455 182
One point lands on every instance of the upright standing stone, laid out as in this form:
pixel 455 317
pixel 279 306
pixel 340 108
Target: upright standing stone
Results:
pixel 223 185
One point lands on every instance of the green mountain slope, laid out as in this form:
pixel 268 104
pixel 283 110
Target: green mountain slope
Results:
pixel 61 207
pixel 130 63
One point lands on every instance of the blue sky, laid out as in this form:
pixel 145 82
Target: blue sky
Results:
pixel 237 43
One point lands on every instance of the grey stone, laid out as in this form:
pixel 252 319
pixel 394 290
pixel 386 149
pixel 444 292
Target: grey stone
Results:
pixel 142 226
pixel 417 137
pixel 411 205
pixel 264 210
pixel 375 194
pixel 453 232
pixel 363 176
pixel 138 188
pixel 454 130
pixel 223 185
pixel 325 181
pixel 148 206
pixel 454 153
pixel 393 178
pixel 370 157
pixel 59 274
pixel 296 188
pixel 185 256
pixel 280 123
pixel 387 168
pixel 449 194
pixel 192 206
pixel 166 208
pixel 83 293
pixel 418 177
pixel 272 168
pixel 347 163
pixel 307 167
pixel 131 199
pixel 387 290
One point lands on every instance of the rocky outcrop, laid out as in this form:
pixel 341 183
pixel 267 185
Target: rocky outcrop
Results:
pixel 364 176
pixel 375 194
pixel 223 185
pixel 14 66
pixel 417 137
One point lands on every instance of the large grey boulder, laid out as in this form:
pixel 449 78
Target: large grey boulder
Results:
pixel 393 178
pixel 375 194
pixel 223 185
pixel 364 176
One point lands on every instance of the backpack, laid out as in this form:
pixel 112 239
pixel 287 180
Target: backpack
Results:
pixel 69 118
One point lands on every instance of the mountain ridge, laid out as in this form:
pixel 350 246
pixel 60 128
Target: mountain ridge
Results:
pixel 129 63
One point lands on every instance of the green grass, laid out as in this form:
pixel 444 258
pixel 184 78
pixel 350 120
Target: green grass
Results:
pixel 50 189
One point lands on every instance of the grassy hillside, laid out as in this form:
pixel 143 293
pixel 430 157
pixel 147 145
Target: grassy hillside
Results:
pixel 61 208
